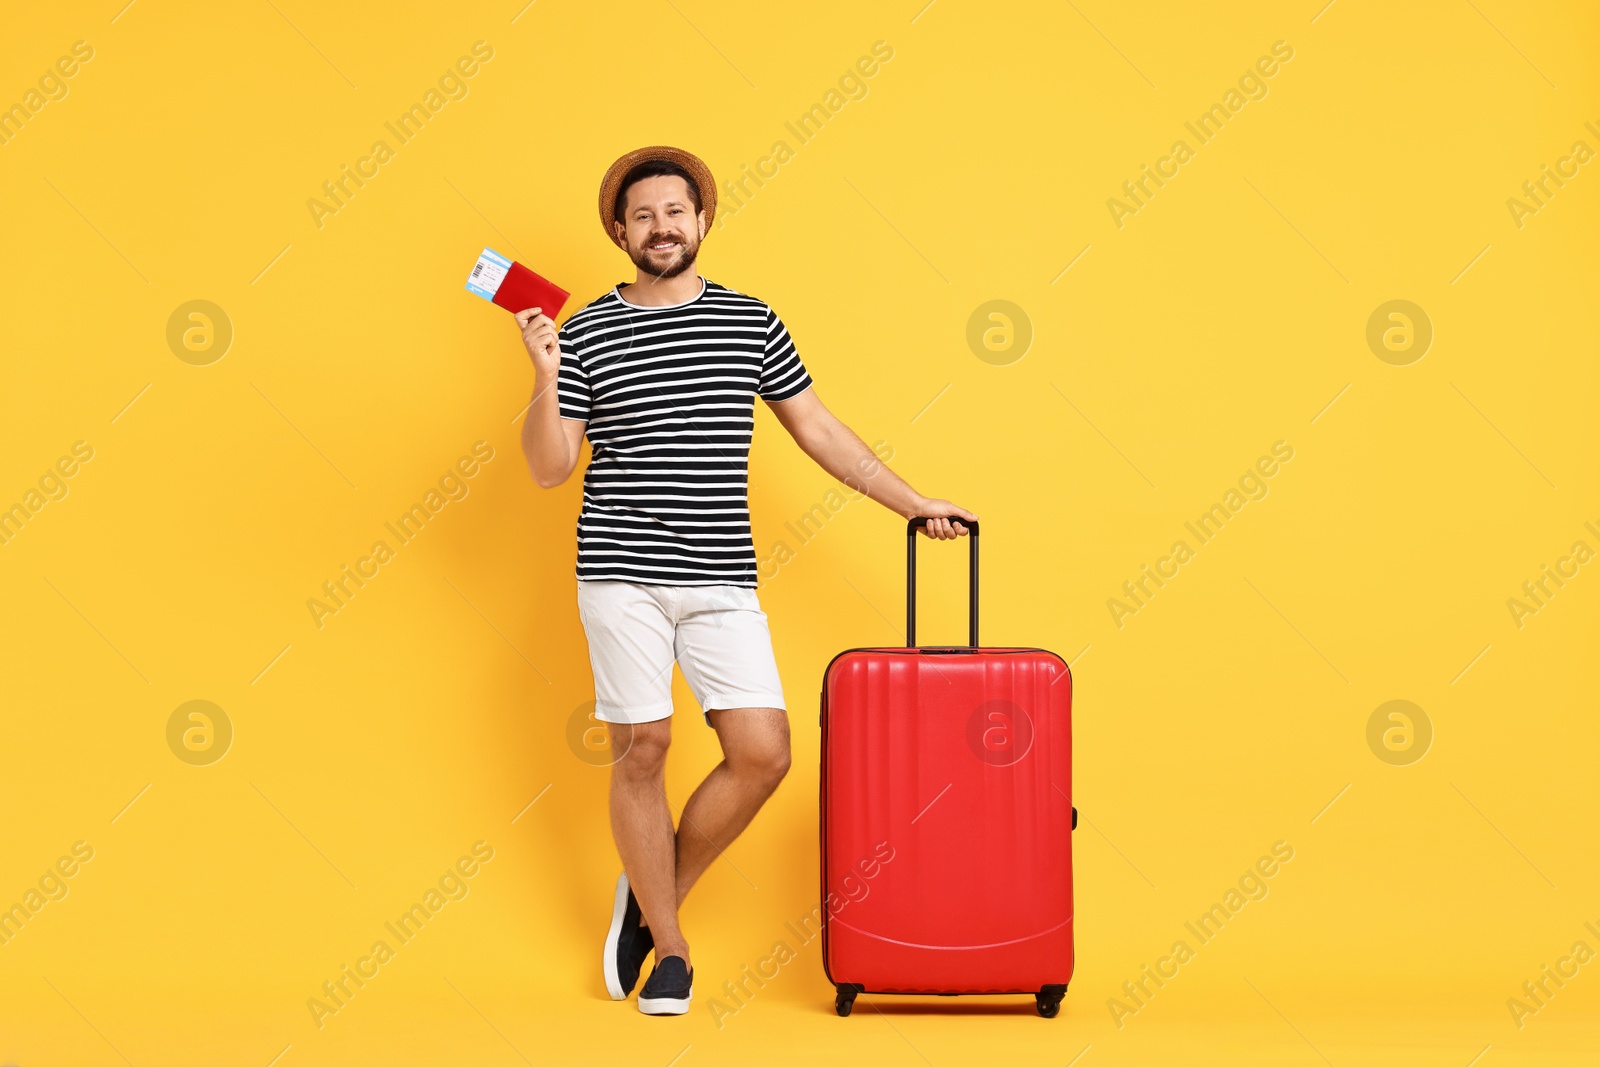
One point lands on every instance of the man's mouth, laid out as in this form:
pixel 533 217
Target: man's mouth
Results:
pixel 661 246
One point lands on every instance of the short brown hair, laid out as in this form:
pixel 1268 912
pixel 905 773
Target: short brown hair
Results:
pixel 653 168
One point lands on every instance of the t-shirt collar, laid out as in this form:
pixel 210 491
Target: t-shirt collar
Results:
pixel 616 291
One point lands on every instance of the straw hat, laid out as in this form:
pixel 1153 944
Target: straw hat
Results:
pixel 619 170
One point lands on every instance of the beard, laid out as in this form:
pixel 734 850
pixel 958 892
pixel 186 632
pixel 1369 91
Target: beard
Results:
pixel 669 262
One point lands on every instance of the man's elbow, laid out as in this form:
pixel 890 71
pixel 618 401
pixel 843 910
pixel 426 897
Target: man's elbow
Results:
pixel 817 437
pixel 545 476
pixel 549 479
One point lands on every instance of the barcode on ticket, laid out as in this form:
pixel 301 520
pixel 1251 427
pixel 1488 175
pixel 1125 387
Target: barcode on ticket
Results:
pixel 488 273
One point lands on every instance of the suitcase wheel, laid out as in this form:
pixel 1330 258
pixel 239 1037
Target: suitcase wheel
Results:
pixel 1048 1000
pixel 846 998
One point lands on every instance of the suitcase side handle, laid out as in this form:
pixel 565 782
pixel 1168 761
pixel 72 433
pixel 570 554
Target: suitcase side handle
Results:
pixel 911 580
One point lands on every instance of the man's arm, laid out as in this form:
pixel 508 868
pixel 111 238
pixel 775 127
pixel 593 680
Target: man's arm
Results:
pixel 550 443
pixel 838 450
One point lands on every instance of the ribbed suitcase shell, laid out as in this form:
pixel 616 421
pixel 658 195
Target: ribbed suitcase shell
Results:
pixel 956 763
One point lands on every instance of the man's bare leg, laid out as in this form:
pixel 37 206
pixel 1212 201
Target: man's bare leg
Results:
pixel 641 823
pixel 755 749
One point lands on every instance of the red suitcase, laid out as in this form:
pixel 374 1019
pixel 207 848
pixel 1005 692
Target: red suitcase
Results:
pixel 947 816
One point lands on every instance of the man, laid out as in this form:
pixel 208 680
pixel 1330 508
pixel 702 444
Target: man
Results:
pixel 662 374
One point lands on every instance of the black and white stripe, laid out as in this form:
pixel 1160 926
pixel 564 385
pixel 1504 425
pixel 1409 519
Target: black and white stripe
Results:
pixel 669 397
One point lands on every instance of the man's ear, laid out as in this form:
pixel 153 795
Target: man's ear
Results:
pixel 702 217
pixel 621 232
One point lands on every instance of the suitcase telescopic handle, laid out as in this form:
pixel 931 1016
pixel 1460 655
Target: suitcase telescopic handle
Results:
pixel 911 580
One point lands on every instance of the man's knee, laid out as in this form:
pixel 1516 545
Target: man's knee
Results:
pixel 641 747
pixel 776 763
pixel 765 756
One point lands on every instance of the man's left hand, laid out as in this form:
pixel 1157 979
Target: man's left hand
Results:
pixel 943 519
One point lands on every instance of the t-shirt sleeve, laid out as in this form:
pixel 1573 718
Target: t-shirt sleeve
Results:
pixel 782 374
pixel 572 381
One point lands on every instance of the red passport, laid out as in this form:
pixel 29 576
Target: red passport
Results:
pixel 514 287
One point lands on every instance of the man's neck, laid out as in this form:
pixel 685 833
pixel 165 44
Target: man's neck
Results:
pixel 648 290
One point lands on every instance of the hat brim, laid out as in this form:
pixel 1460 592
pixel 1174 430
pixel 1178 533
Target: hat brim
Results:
pixel 619 170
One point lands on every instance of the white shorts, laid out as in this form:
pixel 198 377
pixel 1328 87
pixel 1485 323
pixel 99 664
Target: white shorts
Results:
pixel 717 634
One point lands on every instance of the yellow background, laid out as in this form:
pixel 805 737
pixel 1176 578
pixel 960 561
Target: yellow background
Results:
pixel 426 715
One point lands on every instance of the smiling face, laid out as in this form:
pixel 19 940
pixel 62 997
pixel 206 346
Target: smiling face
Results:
pixel 660 228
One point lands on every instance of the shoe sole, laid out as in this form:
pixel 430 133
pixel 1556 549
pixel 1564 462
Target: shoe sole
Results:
pixel 665 1005
pixel 608 963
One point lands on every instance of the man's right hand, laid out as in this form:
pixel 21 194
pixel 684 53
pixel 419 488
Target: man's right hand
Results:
pixel 539 336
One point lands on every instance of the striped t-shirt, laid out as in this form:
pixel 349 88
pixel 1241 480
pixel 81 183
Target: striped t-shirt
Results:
pixel 669 396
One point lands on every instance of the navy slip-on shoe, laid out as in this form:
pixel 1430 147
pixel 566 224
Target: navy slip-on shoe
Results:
pixel 668 990
pixel 627 943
